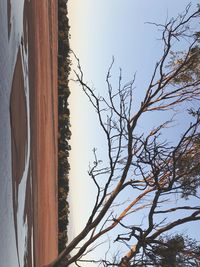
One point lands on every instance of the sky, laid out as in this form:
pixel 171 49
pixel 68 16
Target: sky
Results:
pixel 99 30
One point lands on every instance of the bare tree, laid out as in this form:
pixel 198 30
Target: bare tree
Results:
pixel 153 168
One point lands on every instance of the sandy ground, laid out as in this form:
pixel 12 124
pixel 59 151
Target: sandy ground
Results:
pixel 42 40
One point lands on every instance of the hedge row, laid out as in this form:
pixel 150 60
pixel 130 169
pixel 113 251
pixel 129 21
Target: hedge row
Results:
pixel 64 133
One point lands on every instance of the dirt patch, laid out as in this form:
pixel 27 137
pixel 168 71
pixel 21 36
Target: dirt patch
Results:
pixel 42 46
pixel 24 41
pixel 18 116
pixel 9 17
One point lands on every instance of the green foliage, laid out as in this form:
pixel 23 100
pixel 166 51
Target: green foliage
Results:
pixel 187 64
pixel 175 251
pixel 188 163
pixel 168 252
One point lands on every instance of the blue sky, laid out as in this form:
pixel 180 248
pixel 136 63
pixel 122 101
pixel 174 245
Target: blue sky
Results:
pixel 101 29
